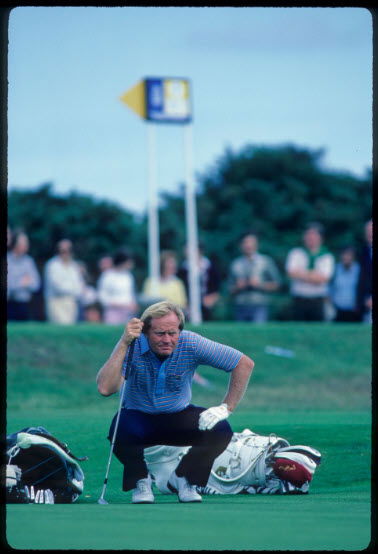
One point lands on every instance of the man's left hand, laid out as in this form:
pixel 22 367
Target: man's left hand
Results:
pixel 209 418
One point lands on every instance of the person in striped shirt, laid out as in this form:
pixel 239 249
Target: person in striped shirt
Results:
pixel 156 408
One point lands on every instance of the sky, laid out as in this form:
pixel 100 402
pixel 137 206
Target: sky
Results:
pixel 264 76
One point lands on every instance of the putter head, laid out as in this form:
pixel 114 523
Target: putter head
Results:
pixel 102 501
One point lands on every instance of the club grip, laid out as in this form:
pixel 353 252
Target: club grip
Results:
pixel 129 358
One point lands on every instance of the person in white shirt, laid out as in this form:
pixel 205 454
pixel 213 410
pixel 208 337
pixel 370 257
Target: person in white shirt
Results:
pixel 63 285
pixel 116 290
pixel 310 269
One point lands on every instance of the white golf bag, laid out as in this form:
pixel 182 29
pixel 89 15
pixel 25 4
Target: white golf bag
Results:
pixel 248 465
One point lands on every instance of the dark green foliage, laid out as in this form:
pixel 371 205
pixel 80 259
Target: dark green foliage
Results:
pixel 274 190
pixel 96 228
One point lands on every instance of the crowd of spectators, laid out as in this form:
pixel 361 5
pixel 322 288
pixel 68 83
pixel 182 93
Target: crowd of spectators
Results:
pixel 322 286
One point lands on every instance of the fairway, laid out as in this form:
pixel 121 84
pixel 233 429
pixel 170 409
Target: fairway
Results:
pixel 321 398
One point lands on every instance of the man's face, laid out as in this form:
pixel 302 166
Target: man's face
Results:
pixel 65 248
pixel 312 239
pixel 22 245
pixel 369 232
pixel 347 257
pixel 249 245
pixel 163 334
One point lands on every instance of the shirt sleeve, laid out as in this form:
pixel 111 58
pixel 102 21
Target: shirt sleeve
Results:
pixel 237 270
pixel 104 288
pixel 36 280
pixel 272 270
pixel 215 354
pixel 326 265
pixel 295 260
pixel 181 294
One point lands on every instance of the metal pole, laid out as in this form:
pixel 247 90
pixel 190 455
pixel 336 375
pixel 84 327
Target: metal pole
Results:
pixel 153 215
pixel 191 230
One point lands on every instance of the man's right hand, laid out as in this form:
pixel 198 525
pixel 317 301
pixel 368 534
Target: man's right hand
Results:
pixel 133 330
pixel 109 378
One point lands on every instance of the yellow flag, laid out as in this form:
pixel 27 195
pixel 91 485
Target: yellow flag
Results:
pixel 135 98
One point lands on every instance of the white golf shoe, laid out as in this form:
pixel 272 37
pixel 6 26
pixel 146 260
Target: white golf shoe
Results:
pixel 186 492
pixel 142 494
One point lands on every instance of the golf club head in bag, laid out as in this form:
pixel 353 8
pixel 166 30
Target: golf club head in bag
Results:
pixel 296 464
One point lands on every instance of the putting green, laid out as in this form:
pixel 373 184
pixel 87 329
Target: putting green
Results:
pixel 335 515
pixel 327 521
pixel 321 397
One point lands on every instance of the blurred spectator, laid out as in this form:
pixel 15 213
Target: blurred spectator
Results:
pixel 253 276
pixel 365 298
pixel 209 281
pixel 310 269
pixel 343 286
pixel 104 263
pixel 89 307
pixel 116 290
pixel 23 278
pixel 63 285
pixel 9 237
pixel 169 287
pixel 209 291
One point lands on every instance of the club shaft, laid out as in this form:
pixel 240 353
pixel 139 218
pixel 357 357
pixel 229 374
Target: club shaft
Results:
pixel 127 371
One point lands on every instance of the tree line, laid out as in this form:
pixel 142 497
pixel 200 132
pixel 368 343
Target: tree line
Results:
pixel 273 190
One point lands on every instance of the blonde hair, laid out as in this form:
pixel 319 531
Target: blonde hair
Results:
pixel 160 309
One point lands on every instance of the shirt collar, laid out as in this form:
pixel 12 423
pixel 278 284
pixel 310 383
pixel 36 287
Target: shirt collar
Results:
pixel 144 344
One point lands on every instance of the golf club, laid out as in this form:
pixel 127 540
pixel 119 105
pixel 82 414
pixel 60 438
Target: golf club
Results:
pixel 102 500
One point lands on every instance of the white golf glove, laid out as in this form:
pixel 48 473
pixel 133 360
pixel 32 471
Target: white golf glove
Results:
pixel 209 418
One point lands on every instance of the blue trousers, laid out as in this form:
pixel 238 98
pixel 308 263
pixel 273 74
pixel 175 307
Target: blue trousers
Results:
pixel 257 313
pixel 18 311
pixel 138 430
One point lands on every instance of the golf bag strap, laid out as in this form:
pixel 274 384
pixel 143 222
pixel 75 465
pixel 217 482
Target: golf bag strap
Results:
pixel 63 446
pixel 26 440
pixel 42 432
pixel 263 447
pixel 308 451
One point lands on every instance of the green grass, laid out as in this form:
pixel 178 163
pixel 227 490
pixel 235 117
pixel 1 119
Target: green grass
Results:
pixel 321 397
pixel 331 369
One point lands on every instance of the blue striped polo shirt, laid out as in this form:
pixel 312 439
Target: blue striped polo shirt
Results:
pixel 154 386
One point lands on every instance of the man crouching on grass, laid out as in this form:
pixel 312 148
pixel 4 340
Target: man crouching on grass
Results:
pixel 156 408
